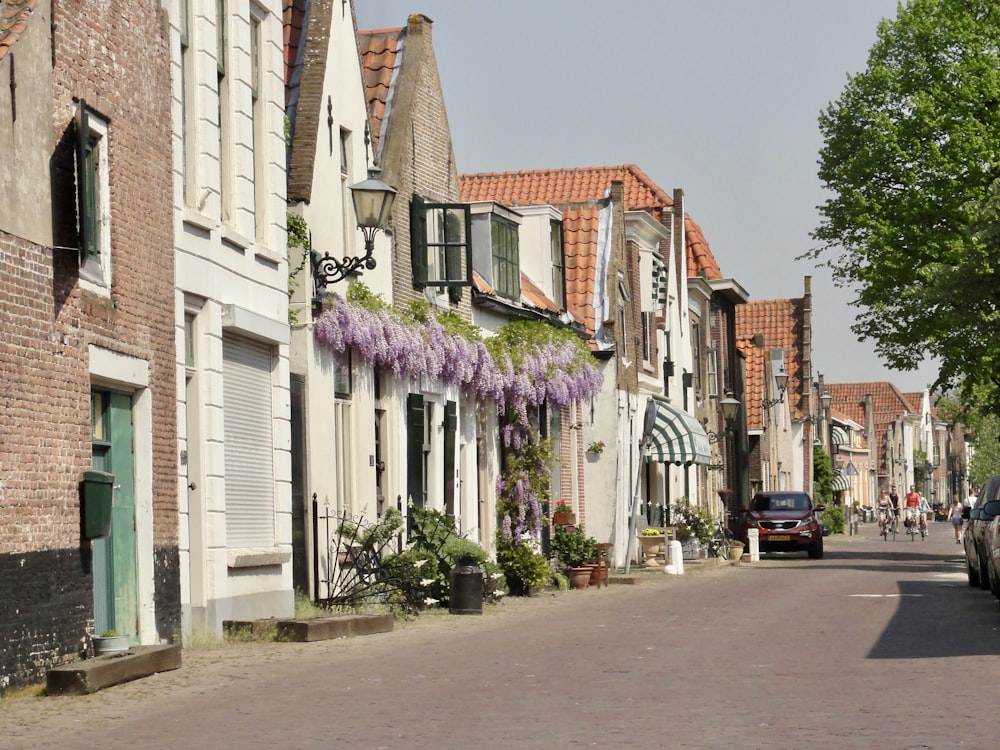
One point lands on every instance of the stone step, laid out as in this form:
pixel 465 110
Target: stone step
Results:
pixel 91 675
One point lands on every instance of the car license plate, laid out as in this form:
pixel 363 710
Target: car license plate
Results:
pixel 779 538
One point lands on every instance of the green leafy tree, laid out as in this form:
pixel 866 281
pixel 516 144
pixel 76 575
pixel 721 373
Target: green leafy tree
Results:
pixel 912 158
pixel 822 476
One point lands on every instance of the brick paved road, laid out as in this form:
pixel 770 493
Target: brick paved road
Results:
pixel 881 644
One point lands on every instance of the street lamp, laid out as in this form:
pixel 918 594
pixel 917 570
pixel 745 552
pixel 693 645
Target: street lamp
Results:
pixel 780 380
pixel 825 400
pixel 372 200
pixel 730 408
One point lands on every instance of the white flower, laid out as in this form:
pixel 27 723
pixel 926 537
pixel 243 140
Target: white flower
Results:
pixel 426 581
pixel 419 563
pixel 429 601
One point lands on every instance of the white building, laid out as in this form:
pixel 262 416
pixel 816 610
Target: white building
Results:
pixel 231 312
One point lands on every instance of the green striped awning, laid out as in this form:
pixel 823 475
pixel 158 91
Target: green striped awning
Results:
pixel 841 482
pixel 838 435
pixel 677 438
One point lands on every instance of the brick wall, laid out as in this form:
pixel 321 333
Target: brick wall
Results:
pixel 117 61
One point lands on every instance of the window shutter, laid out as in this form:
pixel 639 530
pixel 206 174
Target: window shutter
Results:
pixel 450 430
pixel 85 181
pixel 249 460
pixel 418 239
pixel 415 449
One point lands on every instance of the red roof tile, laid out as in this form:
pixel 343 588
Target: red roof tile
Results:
pixel 779 322
pixel 14 15
pixel 558 187
pixel 379 51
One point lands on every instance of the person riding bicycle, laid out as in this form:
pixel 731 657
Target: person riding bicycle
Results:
pixel 925 511
pixel 912 500
pixel 894 501
pixel 884 509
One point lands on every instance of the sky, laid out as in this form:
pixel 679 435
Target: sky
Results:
pixel 718 97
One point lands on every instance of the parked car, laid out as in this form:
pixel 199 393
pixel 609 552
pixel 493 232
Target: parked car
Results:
pixel 992 543
pixel 786 522
pixel 974 535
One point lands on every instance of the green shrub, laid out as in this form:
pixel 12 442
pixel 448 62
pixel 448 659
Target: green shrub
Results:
pixel 527 572
pixel 697 519
pixel 833 519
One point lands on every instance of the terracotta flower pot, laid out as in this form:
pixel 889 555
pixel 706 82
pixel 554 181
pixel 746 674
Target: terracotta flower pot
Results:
pixel 564 519
pixel 579 578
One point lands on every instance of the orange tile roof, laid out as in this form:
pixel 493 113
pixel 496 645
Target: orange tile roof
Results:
pixel 535 297
pixel 577 193
pixel 293 23
pixel 888 404
pixel 780 323
pixel 380 52
pixel 14 15
pixel 558 187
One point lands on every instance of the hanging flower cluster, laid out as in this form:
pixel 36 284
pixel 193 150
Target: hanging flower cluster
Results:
pixel 514 371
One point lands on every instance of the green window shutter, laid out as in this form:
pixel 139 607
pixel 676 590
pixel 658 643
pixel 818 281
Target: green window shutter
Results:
pixel 450 432
pixel 415 449
pixel 86 182
pixel 418 239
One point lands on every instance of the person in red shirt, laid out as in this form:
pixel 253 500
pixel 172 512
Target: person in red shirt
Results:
pixel 912 500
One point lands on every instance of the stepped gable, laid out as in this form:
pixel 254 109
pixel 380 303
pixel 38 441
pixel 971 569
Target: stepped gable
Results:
pixel 762 325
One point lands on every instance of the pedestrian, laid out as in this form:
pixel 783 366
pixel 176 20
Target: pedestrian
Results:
pixel 969 503
pixel 955 514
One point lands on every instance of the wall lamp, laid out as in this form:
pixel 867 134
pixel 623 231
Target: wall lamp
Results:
pixel 825 400
pixel 730 408
pixel 781 380
pixel 372 200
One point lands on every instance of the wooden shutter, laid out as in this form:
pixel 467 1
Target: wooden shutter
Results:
pixel 249 452
pixel 415 449
pixel 86 182
pixel 450 432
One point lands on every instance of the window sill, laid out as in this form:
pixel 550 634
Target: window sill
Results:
pixel 257 557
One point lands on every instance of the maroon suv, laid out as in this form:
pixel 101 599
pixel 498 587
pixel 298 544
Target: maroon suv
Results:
pixel 786 522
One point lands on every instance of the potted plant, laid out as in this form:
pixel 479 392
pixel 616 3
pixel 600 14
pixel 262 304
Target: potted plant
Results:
pixel 111 642
pixel 563 514
pixel 596 448
pixel 653 543
pixel 573 548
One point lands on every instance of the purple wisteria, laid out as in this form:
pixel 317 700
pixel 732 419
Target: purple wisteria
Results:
pixel 538 373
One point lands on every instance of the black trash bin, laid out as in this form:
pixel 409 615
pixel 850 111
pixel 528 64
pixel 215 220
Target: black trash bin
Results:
pixel 466 589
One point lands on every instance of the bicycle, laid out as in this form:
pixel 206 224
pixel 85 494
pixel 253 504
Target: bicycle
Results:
pixel 721 539
pixel 885 516
pixel 893 523
pixel 923 525
pixel 911 523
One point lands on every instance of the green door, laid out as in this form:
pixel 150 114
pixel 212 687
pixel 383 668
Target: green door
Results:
pixel 115 579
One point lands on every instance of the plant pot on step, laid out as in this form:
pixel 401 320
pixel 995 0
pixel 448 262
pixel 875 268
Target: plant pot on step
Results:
pixel 735 551
pixel 111 644
pixel 579 578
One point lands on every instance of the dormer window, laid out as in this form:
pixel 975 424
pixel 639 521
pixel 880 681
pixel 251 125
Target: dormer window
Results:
pixel 506 259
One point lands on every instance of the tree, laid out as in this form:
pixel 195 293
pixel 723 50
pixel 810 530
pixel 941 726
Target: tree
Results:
pixel 911 156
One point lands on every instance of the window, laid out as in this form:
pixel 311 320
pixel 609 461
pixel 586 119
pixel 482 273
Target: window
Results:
pixel 257 123
pixel 225 125
pixel 647 348
pixel 441 250
pixel 345 150
pixel 711 371
pixel 558 265
pixel 94 197
pixel 506 267
pixel 247 368
pixel 696 352
pixel 187 97
pixel 342 375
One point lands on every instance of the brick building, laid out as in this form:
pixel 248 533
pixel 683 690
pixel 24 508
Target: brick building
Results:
pixel 87 355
